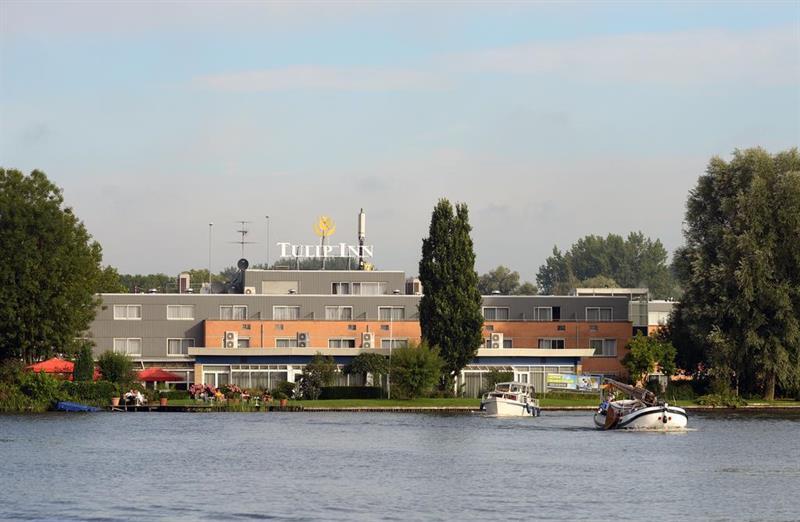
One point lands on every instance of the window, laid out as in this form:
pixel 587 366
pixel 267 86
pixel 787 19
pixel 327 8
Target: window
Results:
pixel 179 346
pixel 128 312
pixel 395 343
pixel 562 328
pixel 543 313
pixel 495 313
pixel 286 342
pixel 340 288
pixel 552 344
pixel 285 313
pixel 341 343
pixel 598 314
pixel 369 288
pixel 243 342
pixel 340 313
pixel 391 313
pixel 604 347
pixel 180 312
pixel 507 343
pixel 129 346
pixel 233 312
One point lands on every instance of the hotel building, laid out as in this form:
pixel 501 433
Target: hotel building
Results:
pixel 276 320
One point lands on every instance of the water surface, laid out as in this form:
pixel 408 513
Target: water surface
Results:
pixel 367 466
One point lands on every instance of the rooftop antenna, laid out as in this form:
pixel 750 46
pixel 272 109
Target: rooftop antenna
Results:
pixel 243 231
pixel 362 235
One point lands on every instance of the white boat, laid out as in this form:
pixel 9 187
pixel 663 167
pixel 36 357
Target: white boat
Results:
pixel 511 399
pixel 643 412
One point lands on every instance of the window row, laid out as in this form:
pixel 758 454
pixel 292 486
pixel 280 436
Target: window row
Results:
pixel 133 346
pixel 546 313
pixel 360 288
pixel 239 312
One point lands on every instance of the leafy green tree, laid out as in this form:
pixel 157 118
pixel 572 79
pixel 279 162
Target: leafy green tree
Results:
pixel 368 363
pixel 84 364
pixel 144 282
pixel 555 276
pixel 648 354
pixel 450 310
pixel 740 270
pixel 599 281
pixel 116 368
pixel 110 282
pixel 636 261
pixel 319 372
pixel 49 268
pixel 415 370
pixel 504 281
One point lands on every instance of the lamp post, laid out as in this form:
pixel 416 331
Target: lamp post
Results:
pixel 267 218
pixel 391 342
pixel 210 227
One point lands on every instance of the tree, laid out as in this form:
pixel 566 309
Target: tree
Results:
pixel 450 309
pixel 555 276
pixel 599 281
pixel 647 355
pixel 368 363
pixel 84 364
pixel 110 282
pixel 415 370
pixel 636 261
pixel 740 269
pixel 319 372
pixel 504 281
pixel 144 282
pixel 49 268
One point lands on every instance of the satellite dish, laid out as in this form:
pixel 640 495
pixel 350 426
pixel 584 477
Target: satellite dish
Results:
pixel 242 264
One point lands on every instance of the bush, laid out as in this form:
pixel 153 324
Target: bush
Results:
pixel 350 392
pixel 116 367
pixel 415 370
pixel 317 373
pixel 92 392
pixel 285 390
pixel 13 400
pixel 84 364
pixel 680 391
pixel 41 388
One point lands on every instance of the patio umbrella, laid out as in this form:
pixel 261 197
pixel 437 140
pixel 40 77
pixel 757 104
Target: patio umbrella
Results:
pixel 54 365
pixel 158 375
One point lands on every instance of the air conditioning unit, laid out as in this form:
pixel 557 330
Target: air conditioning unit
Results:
pixel 249 290
pixel 367 340
pixel 303 340
pixel 497 340
pixel 231 339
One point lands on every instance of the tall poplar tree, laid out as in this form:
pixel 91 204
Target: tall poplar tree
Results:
pixel 740 269
pixel 49 269
pixel 450 309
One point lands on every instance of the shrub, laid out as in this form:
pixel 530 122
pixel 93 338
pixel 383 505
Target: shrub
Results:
pixel 415 370
pixel 117 368
pixel 13 400
pixel 92 392
pixel 84 364
pixel 41 388
pixel 285 390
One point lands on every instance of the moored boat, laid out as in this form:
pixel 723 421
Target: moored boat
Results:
pixel 511 399
pixel 74 406
pixel 643 412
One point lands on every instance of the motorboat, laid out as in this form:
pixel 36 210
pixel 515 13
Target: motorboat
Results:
pixel 511 399
pixel 642 412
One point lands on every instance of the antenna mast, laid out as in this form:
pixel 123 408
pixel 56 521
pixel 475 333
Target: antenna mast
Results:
pixel 243 231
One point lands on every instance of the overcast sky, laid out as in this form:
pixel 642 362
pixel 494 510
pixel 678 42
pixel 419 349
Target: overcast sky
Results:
pixel 551 121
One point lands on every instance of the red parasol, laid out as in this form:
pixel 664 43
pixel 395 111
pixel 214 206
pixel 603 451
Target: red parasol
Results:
pixel 158 375
pixel 54 365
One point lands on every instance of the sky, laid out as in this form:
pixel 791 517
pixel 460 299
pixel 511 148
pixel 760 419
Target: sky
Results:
pixel 550 120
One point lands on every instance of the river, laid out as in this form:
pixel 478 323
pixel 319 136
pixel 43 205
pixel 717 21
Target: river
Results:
pixel 379 466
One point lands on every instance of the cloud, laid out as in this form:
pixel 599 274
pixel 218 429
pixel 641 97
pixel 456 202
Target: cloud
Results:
pixel 315 77
pixel 763 57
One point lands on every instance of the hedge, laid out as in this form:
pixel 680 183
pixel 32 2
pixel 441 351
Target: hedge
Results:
pixel 350 392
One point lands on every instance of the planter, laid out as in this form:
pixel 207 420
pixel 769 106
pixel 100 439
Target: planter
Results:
pixel 115 401
pixel 284 402
pixel 162 401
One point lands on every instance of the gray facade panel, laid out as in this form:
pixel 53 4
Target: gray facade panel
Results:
pixel 320 281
